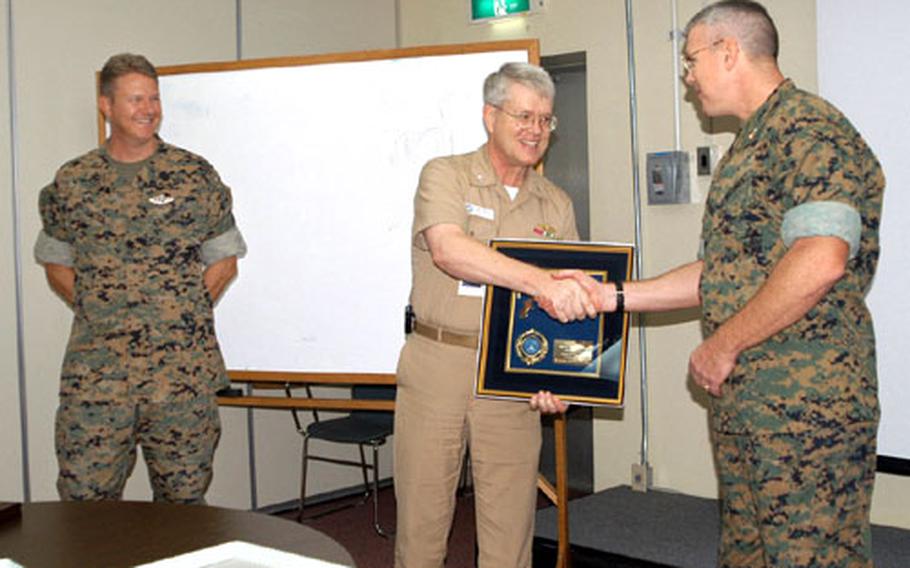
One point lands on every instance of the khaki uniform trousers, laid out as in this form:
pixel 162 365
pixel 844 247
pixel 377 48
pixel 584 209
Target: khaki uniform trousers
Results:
pixel 436 415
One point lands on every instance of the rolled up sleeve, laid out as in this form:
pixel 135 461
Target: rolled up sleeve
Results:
pixel 823 219
pixel 228 243
pixel 49 250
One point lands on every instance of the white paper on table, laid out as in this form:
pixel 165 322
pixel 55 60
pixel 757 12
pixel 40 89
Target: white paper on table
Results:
pixel 239 554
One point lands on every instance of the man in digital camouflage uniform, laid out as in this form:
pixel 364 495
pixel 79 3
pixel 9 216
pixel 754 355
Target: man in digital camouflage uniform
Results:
pixel 138 237
pixel 462 202
pixel 789 248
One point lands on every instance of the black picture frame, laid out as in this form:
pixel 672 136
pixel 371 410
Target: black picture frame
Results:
pixel 523 350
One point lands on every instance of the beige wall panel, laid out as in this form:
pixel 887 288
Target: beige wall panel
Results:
pixel 11 488
pixel 59 46
pixel 231 482
pixel 274 28
pixel 278 457
pixel 891 500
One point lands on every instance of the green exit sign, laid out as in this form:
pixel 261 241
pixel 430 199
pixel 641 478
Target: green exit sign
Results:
pixel 484 9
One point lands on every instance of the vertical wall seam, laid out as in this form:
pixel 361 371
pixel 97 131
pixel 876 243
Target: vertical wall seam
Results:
pixel 674 41
pixel 17 242
pixel 639 253
pixel 239 29
pixel 250 424
pixel 398 24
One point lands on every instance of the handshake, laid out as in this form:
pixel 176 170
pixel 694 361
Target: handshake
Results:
pixel 569 295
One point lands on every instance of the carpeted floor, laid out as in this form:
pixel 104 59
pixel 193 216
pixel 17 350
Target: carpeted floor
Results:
pixel 619 528
pixel 352 527
pixel 673 529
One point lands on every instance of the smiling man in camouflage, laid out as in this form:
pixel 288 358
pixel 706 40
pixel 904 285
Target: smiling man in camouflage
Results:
pixel 138 237
pixel 789 249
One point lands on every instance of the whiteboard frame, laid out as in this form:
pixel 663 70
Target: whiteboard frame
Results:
pixel 530 46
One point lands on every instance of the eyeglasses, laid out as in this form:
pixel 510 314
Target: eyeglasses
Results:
pixel 529 119
pixel 688 60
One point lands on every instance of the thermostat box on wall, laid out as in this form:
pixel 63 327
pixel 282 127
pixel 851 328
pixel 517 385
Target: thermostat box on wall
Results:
pixel 668 177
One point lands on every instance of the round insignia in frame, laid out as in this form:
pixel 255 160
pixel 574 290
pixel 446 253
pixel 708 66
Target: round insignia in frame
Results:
pixel 532 347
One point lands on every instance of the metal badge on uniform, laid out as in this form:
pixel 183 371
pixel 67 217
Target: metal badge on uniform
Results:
pixel 478 211
pixel 471 289
pixel 161 199
pixel 545 231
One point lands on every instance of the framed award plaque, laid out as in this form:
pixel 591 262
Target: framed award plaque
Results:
pixel 523 350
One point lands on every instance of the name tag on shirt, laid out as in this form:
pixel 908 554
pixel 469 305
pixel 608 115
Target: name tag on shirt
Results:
pixel 470 289
pixel 478 211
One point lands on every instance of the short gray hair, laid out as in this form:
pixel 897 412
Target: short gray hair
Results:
pixel 745 20
pixel 124 64
pixel 496 86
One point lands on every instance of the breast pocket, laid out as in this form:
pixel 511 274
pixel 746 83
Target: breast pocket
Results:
pixel 182 216
pixel 481 229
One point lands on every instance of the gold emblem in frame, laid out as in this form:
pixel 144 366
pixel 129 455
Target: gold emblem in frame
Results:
pixel 532 346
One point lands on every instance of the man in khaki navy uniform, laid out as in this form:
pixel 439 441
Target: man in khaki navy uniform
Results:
pixel 789 249
pixel 138 237
pixel 462 202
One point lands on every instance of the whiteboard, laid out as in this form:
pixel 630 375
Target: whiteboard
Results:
pixel 323 160
pixel 862 57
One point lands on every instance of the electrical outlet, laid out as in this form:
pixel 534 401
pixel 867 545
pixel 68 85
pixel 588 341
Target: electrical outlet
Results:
pixel 641 477
pixel 704 160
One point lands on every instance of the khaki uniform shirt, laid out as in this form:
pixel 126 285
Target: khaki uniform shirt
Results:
pixel 797 168
pixel 143 328
pixel 463 190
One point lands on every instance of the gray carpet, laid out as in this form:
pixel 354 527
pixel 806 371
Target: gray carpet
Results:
pixel 673 529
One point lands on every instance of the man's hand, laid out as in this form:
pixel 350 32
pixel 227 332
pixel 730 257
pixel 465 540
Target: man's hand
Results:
pixel 548 403
pixel 710 365
pixel 565 300
pixel 62 280
pixel 797 283
pixel 603 296
pixel 218 275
